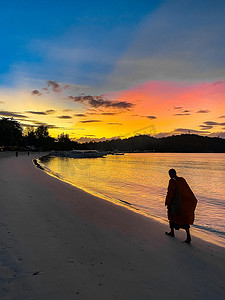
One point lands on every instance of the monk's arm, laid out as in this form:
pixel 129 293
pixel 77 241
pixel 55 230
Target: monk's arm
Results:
pixel 170 192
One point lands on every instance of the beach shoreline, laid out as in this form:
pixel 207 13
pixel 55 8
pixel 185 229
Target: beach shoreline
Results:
pixel 210 236
pixel 59 242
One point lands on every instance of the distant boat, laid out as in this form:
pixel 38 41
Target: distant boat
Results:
pixel 79 154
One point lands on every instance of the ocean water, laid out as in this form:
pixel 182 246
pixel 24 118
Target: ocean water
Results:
pixel 140 181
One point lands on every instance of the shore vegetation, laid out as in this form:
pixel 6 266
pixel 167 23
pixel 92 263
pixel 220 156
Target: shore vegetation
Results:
pixel 14 137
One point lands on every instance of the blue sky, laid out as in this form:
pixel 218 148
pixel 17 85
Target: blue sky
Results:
pixel 41 39
pixel 111 43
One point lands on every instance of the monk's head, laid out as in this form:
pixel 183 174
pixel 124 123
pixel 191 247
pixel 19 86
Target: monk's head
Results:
pixel 172 173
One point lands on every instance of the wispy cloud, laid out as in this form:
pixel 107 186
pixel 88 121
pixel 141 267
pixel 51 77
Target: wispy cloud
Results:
pixel 12 114
pixel 50 111
pixel 47 112
pixel 151 117
pixel 90 121
pixel 220 134
pixel 54 85
pixel 182 114
pixel 203 111
pixel 108 114
pixel 36 112
pixel 188 130
pixel 219 82
pixel 79 115
pixel 101 101
pixel 204 127
pixel 115 123
pixel 37 123
pixel 36 93
pixel 64 117
pixel 211 123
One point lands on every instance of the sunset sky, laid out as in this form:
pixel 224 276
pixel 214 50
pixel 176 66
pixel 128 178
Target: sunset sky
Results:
pixel 104 69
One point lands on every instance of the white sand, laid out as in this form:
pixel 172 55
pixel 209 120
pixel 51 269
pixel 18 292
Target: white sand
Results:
pixel 58 242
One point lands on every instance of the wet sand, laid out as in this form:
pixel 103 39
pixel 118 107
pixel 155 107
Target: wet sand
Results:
pixel 58 242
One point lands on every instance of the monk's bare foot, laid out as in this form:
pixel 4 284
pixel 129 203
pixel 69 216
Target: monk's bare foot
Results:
pixel 170 233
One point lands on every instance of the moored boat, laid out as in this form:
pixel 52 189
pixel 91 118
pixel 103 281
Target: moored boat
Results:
pixel 79 153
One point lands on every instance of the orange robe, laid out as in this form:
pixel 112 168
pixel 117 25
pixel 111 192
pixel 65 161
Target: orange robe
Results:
pixel 187 199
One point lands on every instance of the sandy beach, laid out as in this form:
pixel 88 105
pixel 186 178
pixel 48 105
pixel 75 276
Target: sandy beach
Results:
pixel 59 242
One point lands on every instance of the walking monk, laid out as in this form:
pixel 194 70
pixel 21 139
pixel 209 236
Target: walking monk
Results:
pixel 181 203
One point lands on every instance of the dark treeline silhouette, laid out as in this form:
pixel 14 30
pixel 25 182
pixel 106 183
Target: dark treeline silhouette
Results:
pixel 12 136
pixel 10 132
pixel 177 143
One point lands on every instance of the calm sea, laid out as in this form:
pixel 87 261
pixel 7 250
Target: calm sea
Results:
pixel 141 181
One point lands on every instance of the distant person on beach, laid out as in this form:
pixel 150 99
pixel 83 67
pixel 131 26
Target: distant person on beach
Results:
pixel 181 203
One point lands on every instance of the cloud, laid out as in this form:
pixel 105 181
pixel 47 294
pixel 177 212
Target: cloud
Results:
pixel 186 130
pixel 36 93
pixel 151 117
pixel 11 114
pixel 67 110
pixel 36 112
pixel 50 111
pixel 90 121
pixel 162 134
pixel 219 82
pixel 47 112
pixel 108 114
pixel 37 123
pixel 54 85
pixel 2 102
pixel 64 117
pixel 79 115
pixel 182 114
pixel 46 90
pixel 114 123
pixel 211 123
pixel 101 113
pixel 101 101
pixel 186 111
pixel 203 111
pixel 218 134
pixel 27 125
pixel 222 117
pixel 206 127
pixel 178 107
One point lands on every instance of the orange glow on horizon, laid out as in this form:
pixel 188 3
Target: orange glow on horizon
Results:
pixel 158 107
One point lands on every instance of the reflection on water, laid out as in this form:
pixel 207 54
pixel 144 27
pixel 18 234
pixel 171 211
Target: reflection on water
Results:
pixel 142 180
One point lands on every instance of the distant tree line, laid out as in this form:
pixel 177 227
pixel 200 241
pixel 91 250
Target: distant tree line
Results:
pixel 12 135
pixel 184 143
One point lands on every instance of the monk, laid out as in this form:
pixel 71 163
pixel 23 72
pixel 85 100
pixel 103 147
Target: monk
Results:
pixel 181 213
